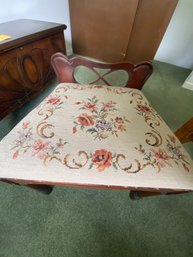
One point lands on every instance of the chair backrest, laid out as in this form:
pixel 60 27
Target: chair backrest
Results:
pixel 84 71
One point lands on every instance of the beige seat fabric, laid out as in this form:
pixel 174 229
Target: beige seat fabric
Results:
pixel 96 135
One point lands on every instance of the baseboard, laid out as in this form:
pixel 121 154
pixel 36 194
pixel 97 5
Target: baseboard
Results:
pixel 188 84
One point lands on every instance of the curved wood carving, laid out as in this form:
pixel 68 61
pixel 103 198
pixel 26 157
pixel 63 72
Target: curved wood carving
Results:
pixel 19 77
pixel 25 71
pixel 64 69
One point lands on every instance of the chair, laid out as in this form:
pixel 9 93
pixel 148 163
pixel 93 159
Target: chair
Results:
pixel 66 69
pixel 96 135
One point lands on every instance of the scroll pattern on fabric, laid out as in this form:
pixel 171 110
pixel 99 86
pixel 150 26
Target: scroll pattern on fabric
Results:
pixel 101 120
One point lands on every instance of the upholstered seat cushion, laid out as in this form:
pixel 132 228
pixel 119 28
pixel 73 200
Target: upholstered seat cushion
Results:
pixel 97 136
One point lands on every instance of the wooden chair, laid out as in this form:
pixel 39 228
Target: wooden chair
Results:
pixel 66 68
pixel 119 74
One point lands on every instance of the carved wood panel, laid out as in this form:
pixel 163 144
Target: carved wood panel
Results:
pixel 26 70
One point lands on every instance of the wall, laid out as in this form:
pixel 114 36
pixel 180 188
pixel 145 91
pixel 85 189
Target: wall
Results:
pixel 47 10
pixel 177 44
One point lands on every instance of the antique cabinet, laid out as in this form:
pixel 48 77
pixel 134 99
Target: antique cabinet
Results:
pixel 25 60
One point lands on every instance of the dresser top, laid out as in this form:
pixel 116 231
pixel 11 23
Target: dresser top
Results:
pixel 24 30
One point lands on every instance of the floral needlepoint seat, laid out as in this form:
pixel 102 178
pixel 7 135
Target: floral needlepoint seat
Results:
pixel 89 134
pixel 96 136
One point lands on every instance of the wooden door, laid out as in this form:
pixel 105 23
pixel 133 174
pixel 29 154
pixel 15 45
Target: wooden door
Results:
pixel 151 21
pixel 101 28
pixel 117 30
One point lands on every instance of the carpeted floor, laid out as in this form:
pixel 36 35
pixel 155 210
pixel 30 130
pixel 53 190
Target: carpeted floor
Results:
pixel 102 223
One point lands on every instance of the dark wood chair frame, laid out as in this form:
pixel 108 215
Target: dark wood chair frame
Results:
pixel 64 68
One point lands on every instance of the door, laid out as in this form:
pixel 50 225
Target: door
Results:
pixel 101 28
pixel 117 30
pixel 151 21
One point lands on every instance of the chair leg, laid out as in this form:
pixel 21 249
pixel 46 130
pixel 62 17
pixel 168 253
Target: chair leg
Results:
pixel 45 189
pixel 185 133
pixel 137 195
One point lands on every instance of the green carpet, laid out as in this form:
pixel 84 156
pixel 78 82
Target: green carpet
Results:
pixel 102 223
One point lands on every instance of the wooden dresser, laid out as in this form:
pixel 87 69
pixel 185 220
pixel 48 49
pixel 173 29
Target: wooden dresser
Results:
pixel 25 60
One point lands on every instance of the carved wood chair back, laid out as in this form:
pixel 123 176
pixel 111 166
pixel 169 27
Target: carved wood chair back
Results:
pixel 84 71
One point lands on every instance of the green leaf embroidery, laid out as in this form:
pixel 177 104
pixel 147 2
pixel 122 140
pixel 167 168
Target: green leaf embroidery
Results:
pixel 92 130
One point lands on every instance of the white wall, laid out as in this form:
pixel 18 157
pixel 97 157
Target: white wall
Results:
pixel 177 44
pixel 45 10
